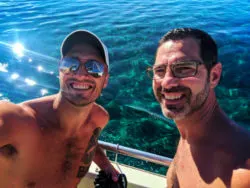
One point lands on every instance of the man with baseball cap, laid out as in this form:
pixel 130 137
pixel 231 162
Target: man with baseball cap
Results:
pixel 51 141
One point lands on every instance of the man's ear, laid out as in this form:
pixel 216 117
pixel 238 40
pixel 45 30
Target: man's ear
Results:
pixel 215 74
pixel 106 81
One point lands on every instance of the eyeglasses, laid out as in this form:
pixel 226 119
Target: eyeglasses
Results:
pixel 180 69
pixel 71 65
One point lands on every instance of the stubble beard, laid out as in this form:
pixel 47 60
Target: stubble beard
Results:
pixel 190 106
pixel 77 99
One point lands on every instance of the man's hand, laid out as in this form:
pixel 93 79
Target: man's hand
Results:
pixel 103 180
pixel 111 170
pixel 102 161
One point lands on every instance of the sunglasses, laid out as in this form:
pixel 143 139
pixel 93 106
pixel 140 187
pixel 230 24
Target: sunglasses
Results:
pixel 71 65
pixel 180 69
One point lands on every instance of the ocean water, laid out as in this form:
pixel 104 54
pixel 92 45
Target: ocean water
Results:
pixel 131 30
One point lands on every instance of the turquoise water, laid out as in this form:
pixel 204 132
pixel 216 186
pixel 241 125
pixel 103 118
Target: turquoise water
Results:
pixel 131 30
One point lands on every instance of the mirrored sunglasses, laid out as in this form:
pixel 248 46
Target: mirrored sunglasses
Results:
pixel 71 65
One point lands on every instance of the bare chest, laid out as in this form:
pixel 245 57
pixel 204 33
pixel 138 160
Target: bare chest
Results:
pixel 50 161
pixel 202 169
pixel 72 156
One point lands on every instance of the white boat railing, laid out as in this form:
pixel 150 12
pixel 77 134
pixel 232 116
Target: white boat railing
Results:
pixel 146 156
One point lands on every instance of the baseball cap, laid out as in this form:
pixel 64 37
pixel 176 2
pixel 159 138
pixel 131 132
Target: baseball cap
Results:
pixel 84 36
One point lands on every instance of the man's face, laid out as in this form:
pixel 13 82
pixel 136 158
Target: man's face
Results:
pixel 179 97
pixel 79 87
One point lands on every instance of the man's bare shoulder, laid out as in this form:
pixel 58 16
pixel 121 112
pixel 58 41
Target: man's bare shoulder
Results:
pixel 100 115
pixel 39 101
pixel 241 138
pixel 241 178
pixel 8 109
pixel 42 104
pixel 14 121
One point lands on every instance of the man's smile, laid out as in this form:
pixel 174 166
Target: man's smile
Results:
pixel 172 96
pixel 81 86
pixel 173 99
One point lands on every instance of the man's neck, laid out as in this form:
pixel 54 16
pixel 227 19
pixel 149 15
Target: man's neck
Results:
pixel 198 126
pixel 70 117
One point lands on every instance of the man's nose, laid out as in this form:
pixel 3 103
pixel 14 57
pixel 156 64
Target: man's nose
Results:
pixel 81 71
pixel 169 80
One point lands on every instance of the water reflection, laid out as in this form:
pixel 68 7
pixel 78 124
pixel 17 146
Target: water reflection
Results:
pixel 14 76
pixel 25 73
pixel 18 49
pixel 3 67
pixel 44 92
pixel 30 82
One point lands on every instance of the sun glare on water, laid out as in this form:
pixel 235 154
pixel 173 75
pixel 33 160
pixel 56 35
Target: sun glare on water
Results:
pixel 14 76
pixel 18 49
pixel 30 82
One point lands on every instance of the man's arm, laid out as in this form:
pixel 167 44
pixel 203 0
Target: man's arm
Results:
pixel 8 111
pixel 102 161
pixel 100 158
pixel 172 180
